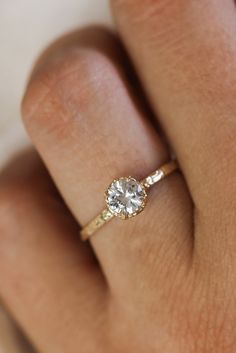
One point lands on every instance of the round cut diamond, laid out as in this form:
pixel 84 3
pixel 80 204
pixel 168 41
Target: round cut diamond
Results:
pixel 125 197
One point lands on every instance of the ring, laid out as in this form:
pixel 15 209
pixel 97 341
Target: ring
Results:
pixel 126 197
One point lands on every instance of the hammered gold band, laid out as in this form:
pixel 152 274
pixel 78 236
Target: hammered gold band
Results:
pixel 106 215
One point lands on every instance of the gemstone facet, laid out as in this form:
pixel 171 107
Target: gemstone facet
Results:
pixel 126 197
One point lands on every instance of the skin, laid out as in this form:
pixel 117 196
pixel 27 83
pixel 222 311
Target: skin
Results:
pixel 165 280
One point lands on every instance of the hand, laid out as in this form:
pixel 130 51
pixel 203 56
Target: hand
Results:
pixel 165 280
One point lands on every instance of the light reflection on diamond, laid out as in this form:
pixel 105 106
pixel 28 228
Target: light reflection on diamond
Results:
pixel 125 197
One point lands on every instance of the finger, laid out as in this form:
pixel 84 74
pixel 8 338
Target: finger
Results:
pixel 80 115
pixel 50 281
pixel 185 54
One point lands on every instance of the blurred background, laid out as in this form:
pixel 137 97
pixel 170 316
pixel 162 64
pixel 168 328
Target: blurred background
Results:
pixel 26 28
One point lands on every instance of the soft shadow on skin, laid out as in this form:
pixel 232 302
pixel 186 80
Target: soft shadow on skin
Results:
pixel 24 166
pixel 24 163
pixel 27 168
pixel 12 338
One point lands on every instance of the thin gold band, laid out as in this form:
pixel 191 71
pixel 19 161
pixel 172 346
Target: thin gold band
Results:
pixel 106 215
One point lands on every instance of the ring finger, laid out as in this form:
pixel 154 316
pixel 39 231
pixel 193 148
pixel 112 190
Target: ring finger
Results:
pixel 79 112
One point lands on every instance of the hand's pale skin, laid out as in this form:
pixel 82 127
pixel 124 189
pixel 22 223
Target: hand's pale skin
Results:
pixel 164 281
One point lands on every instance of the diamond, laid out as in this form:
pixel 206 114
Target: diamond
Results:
pixel 126 197
pixel 154 178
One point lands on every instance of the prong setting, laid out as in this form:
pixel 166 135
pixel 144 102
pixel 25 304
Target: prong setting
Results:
pixel 139 198
pixel 126 197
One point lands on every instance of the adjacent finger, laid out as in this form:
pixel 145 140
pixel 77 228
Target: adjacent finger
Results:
pixel 81 115
pixel 185 54
pixel 50 281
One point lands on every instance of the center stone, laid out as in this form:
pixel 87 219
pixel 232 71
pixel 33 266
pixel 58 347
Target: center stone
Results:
pixel 125 197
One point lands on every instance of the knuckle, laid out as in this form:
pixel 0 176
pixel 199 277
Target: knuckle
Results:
pixel 63 88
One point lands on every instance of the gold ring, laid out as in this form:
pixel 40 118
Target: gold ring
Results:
pixel 126 197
